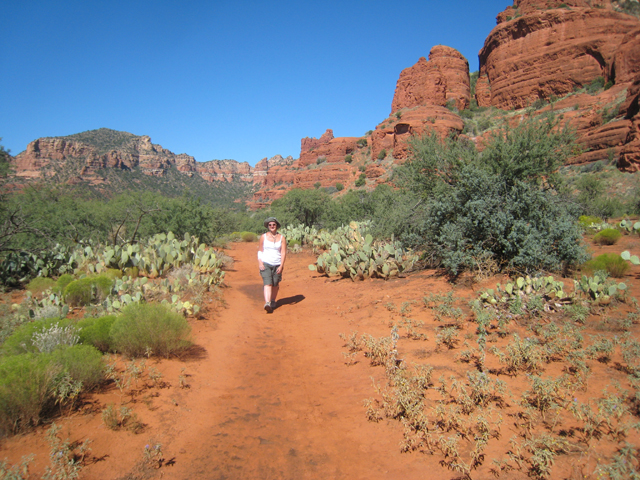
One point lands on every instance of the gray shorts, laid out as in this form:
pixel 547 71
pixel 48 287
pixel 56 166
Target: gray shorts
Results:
pixel 269 275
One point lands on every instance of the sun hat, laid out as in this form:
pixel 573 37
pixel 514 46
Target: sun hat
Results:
pixel 269 220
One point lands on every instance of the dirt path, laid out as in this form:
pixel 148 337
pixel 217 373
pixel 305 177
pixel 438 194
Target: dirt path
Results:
pixel 279 402
pixel 269 396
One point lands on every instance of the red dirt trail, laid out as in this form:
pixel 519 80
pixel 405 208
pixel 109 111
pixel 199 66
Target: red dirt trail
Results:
pixel 269 396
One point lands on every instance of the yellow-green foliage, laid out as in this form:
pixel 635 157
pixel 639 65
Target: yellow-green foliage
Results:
pixel 248 236
pixel 63 281
pixel 83 363
pixel 96 332
pixel 608 236
pixel 40 284
pixel 149 326
pixel 21 340
pixel 611 262
pixel 83 291
pixel 25 383
pixel 587 220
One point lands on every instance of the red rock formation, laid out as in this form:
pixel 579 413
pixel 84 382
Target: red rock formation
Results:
pixel 332 151
pixel 307 144
pixel 629 159
pixel 626 60
pixel 444 78
pixel 392 135
pixel 545 53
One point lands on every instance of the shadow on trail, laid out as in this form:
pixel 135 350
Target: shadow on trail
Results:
pixel 290 300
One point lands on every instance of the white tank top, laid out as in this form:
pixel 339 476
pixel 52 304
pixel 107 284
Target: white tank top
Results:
pixel 271 251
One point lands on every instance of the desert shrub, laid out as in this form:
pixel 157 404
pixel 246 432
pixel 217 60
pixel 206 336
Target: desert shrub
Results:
pixel 82 362
pixel 317 185
pixel 339 186
pixel 40 284
pixel 348 158
pixel 95 331
pixel 25 384
pixel 320 160
pixel 362 179
pixel 78 293
pixel 63 281
pixel 55 337
pixel 608 236
pixel 610 262
pixel 595 85
pixel 21 340
pixel 519 226
pixel 248 237
pixel 382 154
pixel 147 326
pixel 85 290
pixel 362 142
pixel 587 220
pixel 301 207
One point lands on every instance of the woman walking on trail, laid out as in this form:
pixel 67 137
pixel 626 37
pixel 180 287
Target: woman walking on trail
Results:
pixel 271 255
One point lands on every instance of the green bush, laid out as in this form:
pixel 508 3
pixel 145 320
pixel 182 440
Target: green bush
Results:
pixel 148 326
pixel 611 262
pixel 587 220
pixel 40 284
pixel 320 160
pixel 348 158
pixel 78 293
pixel 63 281
pixel 362 179
pixel 362 142
pixel 82 362
pixel 382 154
pixel 21 340
pixel 95 331
pixel 339 186
pixel 248 237
pixel 25 386
pixel 608 236
pixel 85 290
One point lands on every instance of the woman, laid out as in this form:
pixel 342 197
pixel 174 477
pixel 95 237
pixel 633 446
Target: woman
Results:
pixel 271 255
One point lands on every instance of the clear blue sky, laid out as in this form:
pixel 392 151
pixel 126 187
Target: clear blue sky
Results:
pixel 236 79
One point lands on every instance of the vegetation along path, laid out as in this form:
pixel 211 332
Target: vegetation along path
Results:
pixel 266 396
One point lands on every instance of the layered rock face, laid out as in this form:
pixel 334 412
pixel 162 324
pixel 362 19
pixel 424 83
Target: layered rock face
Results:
pixel 393 134
pixel 47 156
pixel 444 78
pixel 545 53
pixel 540 50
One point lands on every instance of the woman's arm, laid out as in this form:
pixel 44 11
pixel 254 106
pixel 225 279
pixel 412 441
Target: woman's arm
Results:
pixel 283 254
pixel 260 250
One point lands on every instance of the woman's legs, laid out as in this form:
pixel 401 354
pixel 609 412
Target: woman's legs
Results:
pixel 267 293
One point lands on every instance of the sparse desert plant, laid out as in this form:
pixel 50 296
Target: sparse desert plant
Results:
pixel 608 236
pixel 66 462
pixel 447 336
pixel 612 263
pixel 16 472
pixel 22 338
pixel 146 326
pixel 56 336
pixel 85 290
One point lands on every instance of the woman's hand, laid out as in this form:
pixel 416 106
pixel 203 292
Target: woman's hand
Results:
pixel 279 269
pixel 261 265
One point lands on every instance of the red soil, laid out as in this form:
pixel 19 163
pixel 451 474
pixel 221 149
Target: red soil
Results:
pixel 269 396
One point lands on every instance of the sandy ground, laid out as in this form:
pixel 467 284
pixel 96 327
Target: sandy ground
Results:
pixel 270 396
